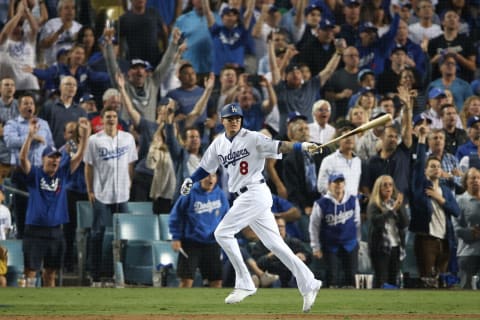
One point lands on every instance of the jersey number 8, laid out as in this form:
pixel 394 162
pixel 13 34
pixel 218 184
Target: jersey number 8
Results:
pixel 244 167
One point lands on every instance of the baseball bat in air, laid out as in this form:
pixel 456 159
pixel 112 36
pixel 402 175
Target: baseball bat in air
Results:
pixel 381 121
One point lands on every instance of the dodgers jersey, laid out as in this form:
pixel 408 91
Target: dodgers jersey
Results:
pixel 242 157
pixel 110 158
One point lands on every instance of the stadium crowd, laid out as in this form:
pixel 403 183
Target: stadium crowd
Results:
pixel 151 78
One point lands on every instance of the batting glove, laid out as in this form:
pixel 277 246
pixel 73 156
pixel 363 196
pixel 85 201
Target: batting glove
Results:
pixel 186 186
pixel 311 147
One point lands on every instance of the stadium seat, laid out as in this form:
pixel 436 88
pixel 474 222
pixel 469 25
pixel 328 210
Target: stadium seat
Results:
pixel 165 257
pixel 140 207
pixel 164 230
pixel 15 260
pixel 134 235
pixel 84 224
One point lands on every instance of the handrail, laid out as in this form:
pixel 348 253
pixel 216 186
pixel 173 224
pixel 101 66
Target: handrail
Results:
pixel 16 191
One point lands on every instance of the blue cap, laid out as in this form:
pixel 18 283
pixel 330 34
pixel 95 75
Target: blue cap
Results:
pixel 326 24
pixel 349 3
pixel 231 110
pixel 87 97
pixel 61 51
pixel 50 151
pixel 363 73
pixel 366 90
pixel 312 7
pixel 398 47
pixel 436 92
pixel 138 62
pixel 367 26
pixel 335 177
pixel 229 9
pixel 292 67
pixel 420 118
pixel 472 120
pixel 294 115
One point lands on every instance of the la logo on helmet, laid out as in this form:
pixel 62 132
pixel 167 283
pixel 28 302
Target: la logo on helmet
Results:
pixel 234 109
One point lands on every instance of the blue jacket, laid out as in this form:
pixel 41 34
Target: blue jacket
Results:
pixel 374 56
pixel 196 216
pixel 337 224
pixel 422 204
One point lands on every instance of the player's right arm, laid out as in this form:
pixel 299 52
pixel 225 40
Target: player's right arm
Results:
pixel 208 164
pixel 288 146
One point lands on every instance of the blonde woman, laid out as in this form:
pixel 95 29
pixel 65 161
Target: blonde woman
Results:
pixel 367 100
pixel 160 161
pixel 471 107
pixel 357 116
pixel 386 236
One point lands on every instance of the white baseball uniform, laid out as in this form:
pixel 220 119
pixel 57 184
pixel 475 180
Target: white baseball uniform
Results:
pixel 243 158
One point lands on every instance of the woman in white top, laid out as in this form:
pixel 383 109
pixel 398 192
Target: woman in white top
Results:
pixel 17 48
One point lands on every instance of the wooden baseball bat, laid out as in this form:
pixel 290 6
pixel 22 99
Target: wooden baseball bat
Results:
pixel 364 127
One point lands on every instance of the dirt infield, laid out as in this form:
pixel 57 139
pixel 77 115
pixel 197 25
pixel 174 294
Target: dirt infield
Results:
pixel 249 317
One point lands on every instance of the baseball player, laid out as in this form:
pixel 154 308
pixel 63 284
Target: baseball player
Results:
pixel 242 155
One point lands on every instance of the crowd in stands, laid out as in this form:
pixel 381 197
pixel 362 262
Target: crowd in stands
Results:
pixel 146 80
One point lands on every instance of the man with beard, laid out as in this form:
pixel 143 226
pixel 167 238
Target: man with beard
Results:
pixel 392 159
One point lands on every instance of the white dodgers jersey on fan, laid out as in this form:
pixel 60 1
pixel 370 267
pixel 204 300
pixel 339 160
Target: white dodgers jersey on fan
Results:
pixel 243 158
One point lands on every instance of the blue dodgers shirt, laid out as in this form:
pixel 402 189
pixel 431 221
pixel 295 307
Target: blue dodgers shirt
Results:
pixel 47 203
pixel 196 216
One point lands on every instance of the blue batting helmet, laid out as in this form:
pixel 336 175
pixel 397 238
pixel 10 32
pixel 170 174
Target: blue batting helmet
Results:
pixel 231 110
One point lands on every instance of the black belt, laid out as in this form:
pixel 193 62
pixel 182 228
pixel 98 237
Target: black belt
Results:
pixel 245 189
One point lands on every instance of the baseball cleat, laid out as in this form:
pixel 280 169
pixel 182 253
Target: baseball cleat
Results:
pixel 309 298
pixel 238 295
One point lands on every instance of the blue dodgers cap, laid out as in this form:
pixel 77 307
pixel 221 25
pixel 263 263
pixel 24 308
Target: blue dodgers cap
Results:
pixel 367 26
pixel 472 120
pixel 231 110
pixel 326 24
pixel 366 90
pixel 335 177
pixel 228 10
pixel 61 51
pixel 138 62
pixel 349 3
pixel 292 67
pixel 363 73
pixel 398 47
pixel 436 92
pixel 50 151
pixel 312 7
pixel 420 118
pixel 295 115
pixel 87 97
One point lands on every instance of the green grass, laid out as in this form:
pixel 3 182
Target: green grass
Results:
pixel 87 301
